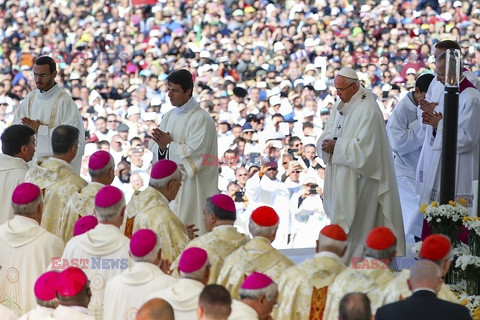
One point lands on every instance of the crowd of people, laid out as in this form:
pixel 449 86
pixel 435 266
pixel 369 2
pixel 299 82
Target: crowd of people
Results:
pixel 126 110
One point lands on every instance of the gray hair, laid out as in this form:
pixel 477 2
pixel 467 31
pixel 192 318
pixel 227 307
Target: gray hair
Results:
pixel 329 244
pixel 254 294
pixel 196 275
pixel 104 171
pixel 257 230
pixel 381 254
pixel 109 213
pixel 28 208
pixel 152 255
pixel 161 183
pixel 48 303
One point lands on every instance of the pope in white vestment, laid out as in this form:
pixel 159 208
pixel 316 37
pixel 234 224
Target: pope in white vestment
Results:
pixel 194 145
pixel 53 107
pixel 360 185
pixel 26 251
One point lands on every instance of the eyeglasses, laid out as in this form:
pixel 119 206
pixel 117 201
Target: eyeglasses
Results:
pixel 343 89
pixel 40 75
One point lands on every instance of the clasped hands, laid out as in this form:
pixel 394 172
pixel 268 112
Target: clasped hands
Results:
pixel 328 145
pixel 429 115
pixel 34 124
pixel 161 138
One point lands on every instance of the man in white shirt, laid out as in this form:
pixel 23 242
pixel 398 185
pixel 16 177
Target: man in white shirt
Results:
pixel 126 292
pixel 46 295
pixel 18 147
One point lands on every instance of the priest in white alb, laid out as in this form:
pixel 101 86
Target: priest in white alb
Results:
pixel 103 252
pixel 46 108
pixel 148 209
pixel 222 237
pixel 46 295
pixel 360 190
pixel 26 249
pixel 101 168
pixel 303 288
pixel 125 293
pixel 56 177
pixel 187 135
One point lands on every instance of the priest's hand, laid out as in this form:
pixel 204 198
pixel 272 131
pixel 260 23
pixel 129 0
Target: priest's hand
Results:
pixel 426 106
pixel 34 124
pixel 328 145
pixel 432 118
pixel 192 231
pixel 161 138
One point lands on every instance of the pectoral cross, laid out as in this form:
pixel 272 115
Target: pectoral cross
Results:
pixel 339 127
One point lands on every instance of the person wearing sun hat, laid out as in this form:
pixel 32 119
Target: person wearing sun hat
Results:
pixel 258 295
pixel 257 255
pixel 148 209
pixel 101 168
pixel 360 190
pixel 125 293
pixel 222 238
pixel 302 286
pixel 367 274
pixel 26 249
pixel 74 295
pixel 104 247
pixel 194 269
pixel 46 295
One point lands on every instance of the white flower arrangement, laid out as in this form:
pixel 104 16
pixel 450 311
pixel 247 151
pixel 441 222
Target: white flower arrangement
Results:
pixel 471 302
pixel 452 211
pixel 461 249
pixel 416 249
pixel 458 287
pixel 464 261
pixel 472 224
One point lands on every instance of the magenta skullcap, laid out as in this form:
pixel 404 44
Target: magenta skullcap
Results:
pixel 224 202
pixel 163 168
pixel 25 193
pixel 44 288
pixel 84 224
pixel 71 281
pixel 108 196
pixel 192 259
pixel 256 281
pixel 142 242
pixel 99 160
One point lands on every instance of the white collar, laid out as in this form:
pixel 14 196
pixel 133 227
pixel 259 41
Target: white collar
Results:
pixel 190 105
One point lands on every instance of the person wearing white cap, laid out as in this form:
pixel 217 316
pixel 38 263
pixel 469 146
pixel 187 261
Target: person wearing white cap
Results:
pixel 187 135
pixel 360 190
pixel 48 107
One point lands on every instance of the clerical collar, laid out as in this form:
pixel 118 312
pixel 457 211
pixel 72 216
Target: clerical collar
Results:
pixel 186 108
pixel 54 84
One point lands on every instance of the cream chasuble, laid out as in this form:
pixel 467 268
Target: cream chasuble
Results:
pixel 126 292
pixel 365 277
pixel 242 311
pixel 70 313
pixel 26 251
pixel 53 108
pixel 12 173
pixel 360 190
pixel 219 244
pixel 257 255
pixel 106 253
pixel 58 183
pixel 150 210
pixel 183 296
pixel 39 313
pixel 193 147
pixel 298 283
pixel 79 205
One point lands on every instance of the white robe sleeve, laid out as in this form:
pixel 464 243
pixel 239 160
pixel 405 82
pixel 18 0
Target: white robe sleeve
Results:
pixel 403 136
pixel 326 134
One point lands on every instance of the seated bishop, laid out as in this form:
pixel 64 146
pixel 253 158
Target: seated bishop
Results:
pixel 103 251
pixel 56 177
pixel 257 255
pixel 148 209
pixel 101 168
pixel 303 288
pixel 222 238
pixel 364 275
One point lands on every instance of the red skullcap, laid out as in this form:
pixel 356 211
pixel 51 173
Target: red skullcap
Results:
pixel 163 168
pixel 99 160
pixel 224 202
pixel 108 196
pixel 380 238
pixel 71 281
pixel 256 281
pixel 25 193
pixel 44 288
pixel 84 224
pixel 335 232
pixel 142 242
pixel 435 247
pixel 192 259
pixel 265 216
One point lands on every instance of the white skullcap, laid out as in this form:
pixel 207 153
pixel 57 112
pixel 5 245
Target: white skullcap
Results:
pixel 348 73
